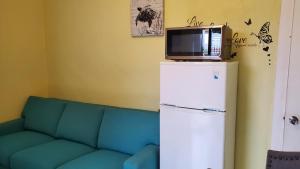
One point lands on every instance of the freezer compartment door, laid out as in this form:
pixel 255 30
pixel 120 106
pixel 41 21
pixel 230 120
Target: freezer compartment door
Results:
pixel 191 139
pixel 193 84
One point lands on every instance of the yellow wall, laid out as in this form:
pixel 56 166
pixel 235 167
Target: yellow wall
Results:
pixel 93 58
pixel 22 54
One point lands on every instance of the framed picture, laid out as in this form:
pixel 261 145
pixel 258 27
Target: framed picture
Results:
pixel 147 18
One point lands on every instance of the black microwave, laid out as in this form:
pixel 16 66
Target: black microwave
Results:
pixel 198 43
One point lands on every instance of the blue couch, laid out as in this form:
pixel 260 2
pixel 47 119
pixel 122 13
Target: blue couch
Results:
pixel 59 134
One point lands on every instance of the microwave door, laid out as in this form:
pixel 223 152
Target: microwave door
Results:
pixel 187 42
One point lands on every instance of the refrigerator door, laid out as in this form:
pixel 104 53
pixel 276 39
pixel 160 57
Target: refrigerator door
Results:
pixel 191 139
pixel 200 85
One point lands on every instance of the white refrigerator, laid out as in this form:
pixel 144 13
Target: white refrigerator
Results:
pixel 197 114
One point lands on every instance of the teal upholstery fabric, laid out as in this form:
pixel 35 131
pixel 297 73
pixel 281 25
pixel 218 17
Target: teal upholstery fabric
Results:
pixel 42 114
pixel 81 122
pixel 147 158
pixel 3 167
pixel 10 144
pixel 128 130
pixel 102 159
pixel 49 155
pixel 11 126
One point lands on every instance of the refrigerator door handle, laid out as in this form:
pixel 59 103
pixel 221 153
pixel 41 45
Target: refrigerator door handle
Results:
pixel 213 110
pixel 204 109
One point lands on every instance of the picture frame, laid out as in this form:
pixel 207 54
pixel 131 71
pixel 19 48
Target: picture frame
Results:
pixel 147 18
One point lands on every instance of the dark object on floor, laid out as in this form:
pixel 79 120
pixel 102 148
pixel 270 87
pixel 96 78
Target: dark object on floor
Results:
pixel 283 160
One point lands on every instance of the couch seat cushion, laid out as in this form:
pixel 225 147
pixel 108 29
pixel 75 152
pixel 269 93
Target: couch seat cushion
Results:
pixel 128 130
pixel 12 143
pixel 43 114
pixel 81 122
pixel 102 159
pixel 2 167
pixel 49 155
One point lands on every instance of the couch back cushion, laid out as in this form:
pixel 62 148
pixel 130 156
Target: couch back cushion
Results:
pixel 81 122
pixel 128 130
pixel 42 114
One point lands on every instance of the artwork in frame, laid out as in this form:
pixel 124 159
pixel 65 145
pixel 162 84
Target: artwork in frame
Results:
pixel 147 18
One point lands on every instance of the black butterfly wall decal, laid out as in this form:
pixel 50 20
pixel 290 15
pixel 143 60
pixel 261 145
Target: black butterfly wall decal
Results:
pixel 249 22
pixel 263 34
pixel 233 55
pixel 266 49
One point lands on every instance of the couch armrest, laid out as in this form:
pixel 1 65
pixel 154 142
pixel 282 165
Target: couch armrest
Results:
pixel 11 126
pixel 147 158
